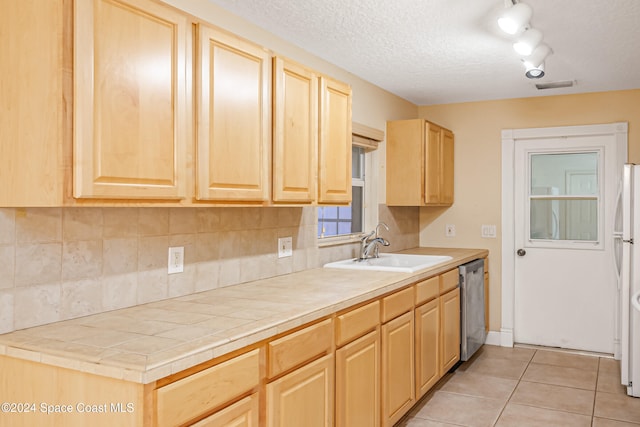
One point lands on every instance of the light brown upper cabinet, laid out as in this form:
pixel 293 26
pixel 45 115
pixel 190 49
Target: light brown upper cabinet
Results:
pixel 31 103
pixel 130 134
pixel 334 163
pixel 233 100
pixel 295 132
pixel 122 102
pixel 419 164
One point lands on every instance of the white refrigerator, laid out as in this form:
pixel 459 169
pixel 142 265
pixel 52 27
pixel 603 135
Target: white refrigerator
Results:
pixel 627 240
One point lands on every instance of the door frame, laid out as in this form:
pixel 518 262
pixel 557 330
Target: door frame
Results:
pixel 509 137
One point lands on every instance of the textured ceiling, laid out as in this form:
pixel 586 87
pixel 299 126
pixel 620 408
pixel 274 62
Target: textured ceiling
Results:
pixel 444 51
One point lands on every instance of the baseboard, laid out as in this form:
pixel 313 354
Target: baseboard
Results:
pixel 494 338
pixel 504 338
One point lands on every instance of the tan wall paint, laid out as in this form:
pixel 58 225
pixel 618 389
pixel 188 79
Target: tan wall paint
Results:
pixel 477 127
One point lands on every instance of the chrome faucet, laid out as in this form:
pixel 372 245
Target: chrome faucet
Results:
pixel 369 243
pixel 378 228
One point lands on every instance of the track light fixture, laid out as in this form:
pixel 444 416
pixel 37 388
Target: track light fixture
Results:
pixel 515 20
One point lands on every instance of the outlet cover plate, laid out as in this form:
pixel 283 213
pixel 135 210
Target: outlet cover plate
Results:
pixel 450 230
pixel 285 247
pixel 176 260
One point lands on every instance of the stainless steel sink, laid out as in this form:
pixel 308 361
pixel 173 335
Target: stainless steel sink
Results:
pixel 403 263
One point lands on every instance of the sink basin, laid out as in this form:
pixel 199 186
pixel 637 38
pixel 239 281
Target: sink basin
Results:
pixel 403 263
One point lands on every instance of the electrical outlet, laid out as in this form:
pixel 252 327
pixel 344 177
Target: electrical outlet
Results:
pixel 176 260
pixel 450 230
pixel 488 231
pixel 285 247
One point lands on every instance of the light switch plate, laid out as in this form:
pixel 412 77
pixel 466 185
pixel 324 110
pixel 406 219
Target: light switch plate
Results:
pixel 285 247
pixel 176 260
pixel 488 231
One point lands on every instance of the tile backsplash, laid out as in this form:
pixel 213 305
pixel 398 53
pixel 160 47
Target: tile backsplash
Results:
pixel 404 226
pixel 63 263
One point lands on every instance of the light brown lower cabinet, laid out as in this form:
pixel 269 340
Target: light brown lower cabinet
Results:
pixel 191 397
pixel 244 413
pixel 398 373
pixel 358 382
pixel 450 338
pixel 347 369
pixel 303 397
pixel 427 346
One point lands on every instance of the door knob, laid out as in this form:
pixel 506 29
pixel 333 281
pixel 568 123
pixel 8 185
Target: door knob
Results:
pixel 521 252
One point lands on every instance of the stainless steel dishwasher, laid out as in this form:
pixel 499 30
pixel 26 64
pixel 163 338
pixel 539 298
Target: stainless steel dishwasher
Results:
pixel 472 328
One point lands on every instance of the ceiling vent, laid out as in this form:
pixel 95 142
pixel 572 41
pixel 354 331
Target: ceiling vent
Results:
pixel 555 85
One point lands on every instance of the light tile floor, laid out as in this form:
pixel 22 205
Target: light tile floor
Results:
pixel 523 387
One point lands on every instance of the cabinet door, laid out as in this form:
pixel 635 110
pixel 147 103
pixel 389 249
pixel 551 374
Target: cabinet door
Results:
pixel 304 397
pixel 427 346
pixel 233 109
pixel 244 413
pixel 295 132
pixel 358 382
pixel 446 181
pixel 450 338
pixel 334 180
pixel 31 104
pixel 129 100
pixel 405 162
pixel 398 392
pixel 432 164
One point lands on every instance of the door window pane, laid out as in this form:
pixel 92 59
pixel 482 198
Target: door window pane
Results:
pixel 564 196
pixel 573 174
pixel 553 219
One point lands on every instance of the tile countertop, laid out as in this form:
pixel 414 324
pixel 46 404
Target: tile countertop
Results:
pixel 150 341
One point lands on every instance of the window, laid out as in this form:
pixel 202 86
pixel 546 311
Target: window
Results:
pixel 564 198
pixel 345 220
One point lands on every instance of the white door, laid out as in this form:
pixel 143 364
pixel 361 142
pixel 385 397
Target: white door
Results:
pixel 565 286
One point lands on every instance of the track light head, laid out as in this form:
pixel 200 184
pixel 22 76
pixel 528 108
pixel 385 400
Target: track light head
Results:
pixel 534 63
pixel 527 42
pixel 516 18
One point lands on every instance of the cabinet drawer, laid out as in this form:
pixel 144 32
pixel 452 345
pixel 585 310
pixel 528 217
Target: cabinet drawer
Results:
pixel 241 414
pixel 196 394
pixel 396 304
pixel 355 323
pixel 427 289
pixel 296 348
pixel 449 280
